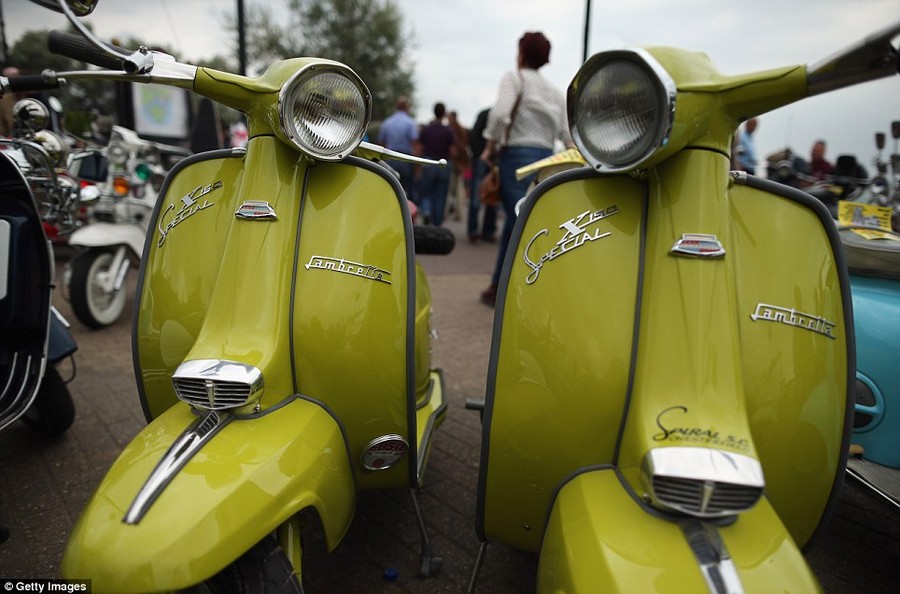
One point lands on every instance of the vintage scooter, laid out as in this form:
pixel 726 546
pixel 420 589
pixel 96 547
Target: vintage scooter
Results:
pixel 34 337
pixel 281 338
pixel 669 396
pixel 872 249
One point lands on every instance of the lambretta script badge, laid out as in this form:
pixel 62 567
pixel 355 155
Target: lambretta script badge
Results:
pixel 348 267
pixel 792 317
pixel 578 231
pixel 190 205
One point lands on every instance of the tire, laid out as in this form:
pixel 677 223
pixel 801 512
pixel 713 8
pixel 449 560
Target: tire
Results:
pixel 433 240
pixel 53 411
pixel 264 569
pixel 92 306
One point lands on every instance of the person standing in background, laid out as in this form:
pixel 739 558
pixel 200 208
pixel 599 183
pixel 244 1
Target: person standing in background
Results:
pixel 524 124
pixel 819 166
pixel 399 132
pixel 437 142
pixel 479 169
pixel 745 150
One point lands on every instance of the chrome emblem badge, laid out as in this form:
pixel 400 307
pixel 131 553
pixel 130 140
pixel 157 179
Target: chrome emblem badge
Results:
pixel 255 209
pixel 383 452
pixel 578 231
pixel 347 267
pixel 190 205
pixel 699 245
pixel 792 317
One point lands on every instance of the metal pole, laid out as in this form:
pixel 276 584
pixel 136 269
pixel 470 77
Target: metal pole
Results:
pixel 242 41
pixel 4 49
pixel 587 29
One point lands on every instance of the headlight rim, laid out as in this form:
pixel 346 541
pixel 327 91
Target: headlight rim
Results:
pixel 666 96
pixel 313 69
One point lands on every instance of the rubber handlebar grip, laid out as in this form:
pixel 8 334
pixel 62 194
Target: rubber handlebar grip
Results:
pixel 78 48
pixel 31 82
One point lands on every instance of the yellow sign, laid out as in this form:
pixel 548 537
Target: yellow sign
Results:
pixel 868 220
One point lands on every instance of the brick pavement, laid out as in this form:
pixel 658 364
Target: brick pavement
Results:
pixel 44 485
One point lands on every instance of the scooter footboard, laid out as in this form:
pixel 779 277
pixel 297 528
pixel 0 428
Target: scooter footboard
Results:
pixel 601 538
pixel 248 479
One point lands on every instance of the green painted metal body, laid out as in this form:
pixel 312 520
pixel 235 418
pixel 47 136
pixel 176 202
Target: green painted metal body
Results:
pixel 325 300
pixel 247 481
pixel 606 346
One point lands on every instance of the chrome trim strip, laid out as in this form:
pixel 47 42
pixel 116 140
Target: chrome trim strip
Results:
pixel 715 562
pixel 178 454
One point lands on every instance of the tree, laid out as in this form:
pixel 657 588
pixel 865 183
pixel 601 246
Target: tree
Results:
pixel 366 35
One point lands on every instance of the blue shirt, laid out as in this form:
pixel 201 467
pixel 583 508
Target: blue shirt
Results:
pixel 746 152
pixel 398 131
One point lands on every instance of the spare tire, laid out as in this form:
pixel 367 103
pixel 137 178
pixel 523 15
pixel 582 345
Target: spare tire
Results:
pixel 433 240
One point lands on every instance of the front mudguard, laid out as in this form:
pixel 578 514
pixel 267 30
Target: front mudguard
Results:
pixel 100 234
pixel 250 478
pixel 601 538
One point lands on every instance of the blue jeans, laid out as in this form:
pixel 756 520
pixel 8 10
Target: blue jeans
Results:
pixel 489 222
pixel 513 190
pixel 434 182
pixel 407 177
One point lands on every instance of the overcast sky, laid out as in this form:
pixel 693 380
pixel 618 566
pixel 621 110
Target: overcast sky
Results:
pixel 460 48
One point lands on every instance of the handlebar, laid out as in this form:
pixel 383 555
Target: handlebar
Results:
pixel 77 47
pixel 32 82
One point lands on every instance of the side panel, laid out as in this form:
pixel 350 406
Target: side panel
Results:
pixel 353 309
pixel 561 358
pixel 590 548
pixel 796 329
pixel 876 317
pixel 245 482
pixel 183 255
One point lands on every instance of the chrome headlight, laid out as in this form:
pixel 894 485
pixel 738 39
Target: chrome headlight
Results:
pixel 117 153
pixel 31 114
pixel 324 110
pixel 55 145
pixel 621 105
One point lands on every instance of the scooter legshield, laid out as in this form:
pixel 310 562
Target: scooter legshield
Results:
pixel 633 549
pixel 250 478
pixel 560 359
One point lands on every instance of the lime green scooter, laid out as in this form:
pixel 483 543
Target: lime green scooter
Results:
pixel 670 385
pixel 281 337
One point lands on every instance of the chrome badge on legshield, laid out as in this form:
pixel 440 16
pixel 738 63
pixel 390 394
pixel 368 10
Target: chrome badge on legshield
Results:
pixel 256 210
pixel 699 245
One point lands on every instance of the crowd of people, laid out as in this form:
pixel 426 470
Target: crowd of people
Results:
pixel 525 124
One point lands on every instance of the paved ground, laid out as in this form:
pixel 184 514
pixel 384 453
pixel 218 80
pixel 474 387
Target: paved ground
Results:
pixel 43 486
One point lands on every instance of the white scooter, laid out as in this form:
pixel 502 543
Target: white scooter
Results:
pixel 127 174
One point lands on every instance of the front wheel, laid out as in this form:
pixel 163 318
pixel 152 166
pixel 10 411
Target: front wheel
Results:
pixel 94 306
pixel 264 568
pixel 52 412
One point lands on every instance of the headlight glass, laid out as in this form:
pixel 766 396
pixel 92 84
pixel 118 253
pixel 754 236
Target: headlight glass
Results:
pixel 324 110
pixel 621 106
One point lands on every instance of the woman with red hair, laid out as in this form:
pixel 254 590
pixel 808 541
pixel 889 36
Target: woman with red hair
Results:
pixel 525 122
